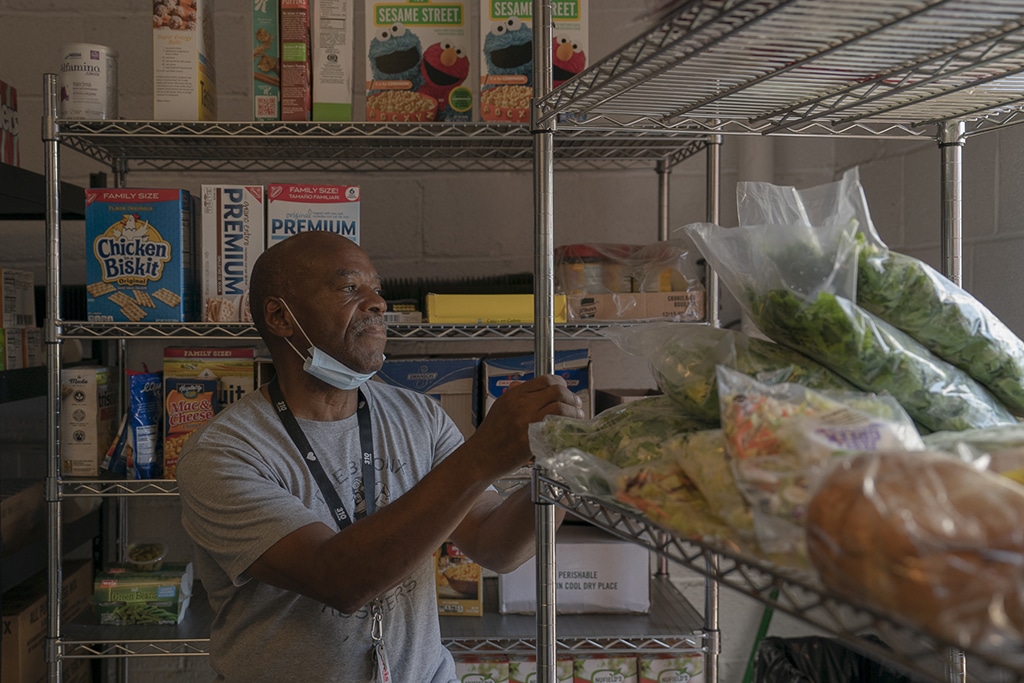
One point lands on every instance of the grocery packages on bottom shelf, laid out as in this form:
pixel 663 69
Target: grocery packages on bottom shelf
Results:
pixel 869 439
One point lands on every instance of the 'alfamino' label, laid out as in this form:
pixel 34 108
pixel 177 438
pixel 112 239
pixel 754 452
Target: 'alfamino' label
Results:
pixel 139 255
pixel 292 209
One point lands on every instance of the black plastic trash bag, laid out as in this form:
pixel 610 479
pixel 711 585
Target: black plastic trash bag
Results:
pixel 815 659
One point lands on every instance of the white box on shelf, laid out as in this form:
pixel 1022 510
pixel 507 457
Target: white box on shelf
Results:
pixel 231 238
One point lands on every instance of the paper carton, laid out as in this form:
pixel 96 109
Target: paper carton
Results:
pixel 482 668
pixel 459 583
pixel 573 365
pixel 17 298
pixel 123 596
pixel 523 669
pixel 266 60
pixel 231 238
pixel 599 668
pixel 296 95
pixel 86 419
pixel 139 259
pixel 452 382
pixel 331 36
pixel 184 78
pixel 418 61
pixel 188 405
pixel 12 348
pixel 292 209
pixel 668 667
pixel 595 573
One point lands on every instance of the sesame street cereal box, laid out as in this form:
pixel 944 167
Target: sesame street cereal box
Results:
pixel 231 237
pixel 138 255
pixel 292 209
pixel 418 61
pixel 506 43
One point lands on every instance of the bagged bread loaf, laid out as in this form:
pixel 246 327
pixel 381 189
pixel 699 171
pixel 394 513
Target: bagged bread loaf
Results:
pixel 926 537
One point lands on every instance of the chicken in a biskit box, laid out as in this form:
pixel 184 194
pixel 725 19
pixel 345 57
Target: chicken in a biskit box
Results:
pixel 139 260
pixel 418 61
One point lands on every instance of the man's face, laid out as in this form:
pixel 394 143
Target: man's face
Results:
pixel 339 304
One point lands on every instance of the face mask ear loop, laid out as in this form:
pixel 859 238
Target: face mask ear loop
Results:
pixel 299 325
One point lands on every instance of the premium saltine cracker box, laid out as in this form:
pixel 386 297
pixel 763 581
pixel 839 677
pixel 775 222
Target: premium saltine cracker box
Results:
pixel 231 238
pixel 139 264
pixel 292 209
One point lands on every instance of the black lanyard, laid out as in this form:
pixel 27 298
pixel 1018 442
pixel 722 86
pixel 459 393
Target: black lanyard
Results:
pixel 316 468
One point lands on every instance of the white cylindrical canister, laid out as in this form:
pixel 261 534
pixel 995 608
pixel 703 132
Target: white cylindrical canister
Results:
pixel 88 81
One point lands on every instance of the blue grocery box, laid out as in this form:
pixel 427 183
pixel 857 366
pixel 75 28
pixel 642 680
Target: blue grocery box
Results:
pixel 451 381
pixel 139 255
pixel 573 365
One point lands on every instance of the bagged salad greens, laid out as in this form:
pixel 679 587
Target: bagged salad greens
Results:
pixel 683 360
pixel 997 449
pixel 797 281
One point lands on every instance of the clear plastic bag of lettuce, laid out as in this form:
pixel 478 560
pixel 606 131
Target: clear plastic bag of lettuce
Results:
pixel 683 358
pixel 797 283
pixel 780 437
pixel 996 449
pixel 902 290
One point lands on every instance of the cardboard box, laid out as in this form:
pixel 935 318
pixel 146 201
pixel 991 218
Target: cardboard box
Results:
pixel 266 61
pixel 673 306
pixel 184 78
pixel 292 209
pixel 595 573
pixel 436 85
pixel 124 596
pixel 487 309
pixel 453 382
pixel 86 419
pixel 459 583
pixel 35 350
pixel 139 259
pixel 506 44
pixel 598 668
pixel 232 366
pixel 22 511
pixel 231 238
pixel 668 667
pixel 188 405
pixel 25 609
pixel 17 298
pixel 296 95
pixel 482 668
pixel 12 348
pixel 501 372
pixel 10 152
pixel 523 669
pixel 609 398
pixel 331 57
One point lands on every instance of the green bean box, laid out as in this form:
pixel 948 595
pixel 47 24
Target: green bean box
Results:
pixel 125 596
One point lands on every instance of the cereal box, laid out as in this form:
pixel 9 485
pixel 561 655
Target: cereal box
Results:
pixel 506 41
pixel 9 150
pixel 292 209
pixel 231 236
pixel 184 79
pixel 188 405
pixel 331 56
pixel 481 668
pixel 671 667
pixel 17 298
pixel 232 366
pixel 139 255
pixel 295 65
pixel 266 60
pixel 460 589
pixel 86 419
pixel 418 61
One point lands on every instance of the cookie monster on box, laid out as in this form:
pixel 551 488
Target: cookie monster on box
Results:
pixel 508 51
pixel 395 54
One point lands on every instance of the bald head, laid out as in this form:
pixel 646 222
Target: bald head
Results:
pixel 286 269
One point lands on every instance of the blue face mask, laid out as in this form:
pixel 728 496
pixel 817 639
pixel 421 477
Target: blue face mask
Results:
pixel 325 367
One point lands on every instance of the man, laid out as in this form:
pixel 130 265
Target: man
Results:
pixel 315 503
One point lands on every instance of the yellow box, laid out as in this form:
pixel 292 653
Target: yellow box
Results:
pixel 459 582
pixel 487 309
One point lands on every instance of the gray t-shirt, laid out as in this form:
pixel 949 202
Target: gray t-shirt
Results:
pixel 244 487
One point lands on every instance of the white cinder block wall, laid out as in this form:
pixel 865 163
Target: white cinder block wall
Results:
pixel 439 224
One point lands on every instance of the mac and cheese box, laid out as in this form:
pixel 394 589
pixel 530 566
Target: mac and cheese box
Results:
pixel 188 405
pixel 184 78
pixel 139 264
pixel 459 583
pixel 231 238
pixel 292 209
pixel 418 61
pixel 233 367
pixel 506 42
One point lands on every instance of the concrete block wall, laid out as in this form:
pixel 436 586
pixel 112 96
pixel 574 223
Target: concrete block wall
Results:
pixel 436 224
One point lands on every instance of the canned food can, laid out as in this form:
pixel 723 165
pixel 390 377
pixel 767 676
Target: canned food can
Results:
pixel 88 81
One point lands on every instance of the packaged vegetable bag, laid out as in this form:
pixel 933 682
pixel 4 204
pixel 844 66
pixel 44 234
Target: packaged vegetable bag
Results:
pixel 798 282
pixel 683 359
pixel 902 290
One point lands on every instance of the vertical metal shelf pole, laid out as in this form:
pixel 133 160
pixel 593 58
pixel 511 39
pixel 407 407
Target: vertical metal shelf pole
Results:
pixel 544 332
pixel 664 176
pixel 714 183
pixel 951 144
pixel 54 571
